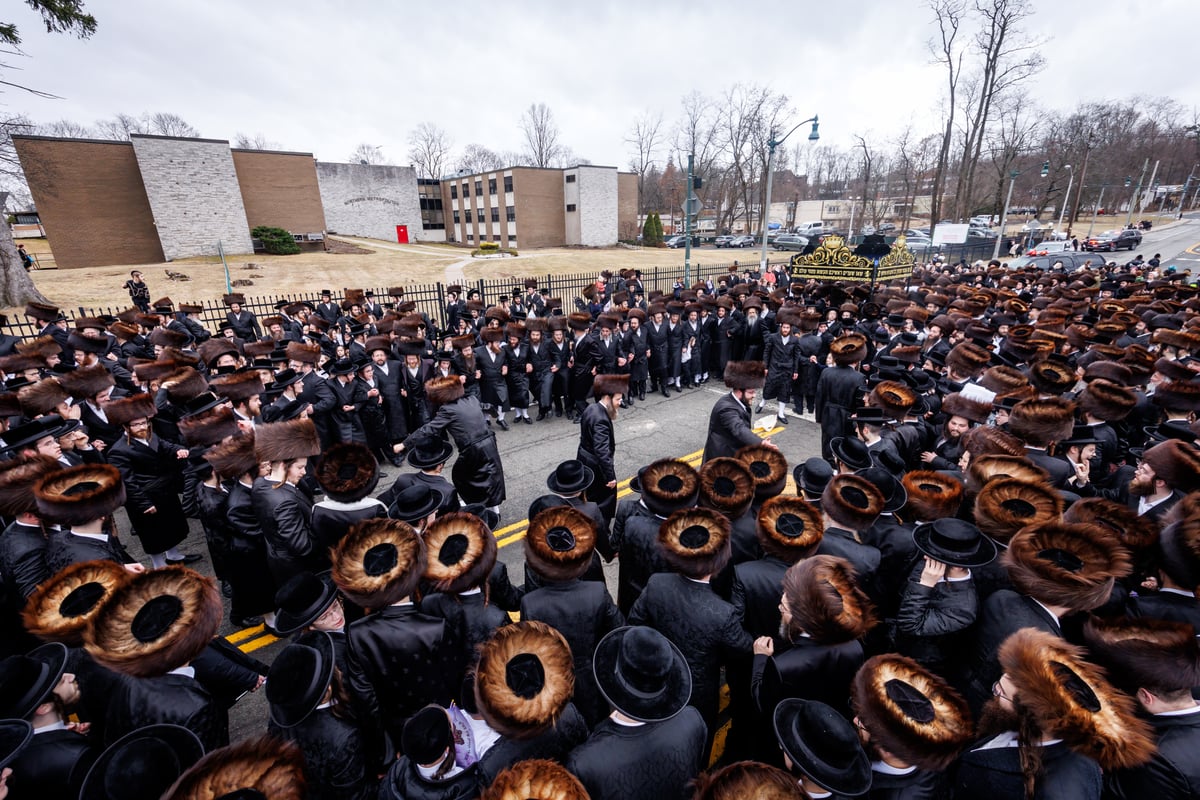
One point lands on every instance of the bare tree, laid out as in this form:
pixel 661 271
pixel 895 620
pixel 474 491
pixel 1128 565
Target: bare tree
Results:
pixel 948 51
pixel 367 154
pixel 66 129
pixel 255 142
pixel 167 124
pixel 121 126
pixel 477 158
pixel 644 138
pixel 429 150
pixel 541 135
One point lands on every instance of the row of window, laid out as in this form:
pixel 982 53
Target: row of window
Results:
pixel 512 240
pixel 466 187
pixel 510 212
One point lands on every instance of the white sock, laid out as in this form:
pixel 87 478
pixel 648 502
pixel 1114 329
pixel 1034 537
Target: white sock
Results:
pixel 174 554
pixel 158 560
pixel 269 618
pixel 494 509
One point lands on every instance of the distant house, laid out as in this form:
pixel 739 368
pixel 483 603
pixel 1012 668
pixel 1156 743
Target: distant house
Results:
pixel 27 225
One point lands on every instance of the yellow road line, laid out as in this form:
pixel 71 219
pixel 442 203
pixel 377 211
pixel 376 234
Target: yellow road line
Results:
pixel 254 644
pixel 246 633
pixel 718 748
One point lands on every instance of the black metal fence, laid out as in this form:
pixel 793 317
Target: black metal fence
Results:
pixel 430 298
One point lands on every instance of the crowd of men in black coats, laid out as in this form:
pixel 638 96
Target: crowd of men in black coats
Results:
pixel 983 586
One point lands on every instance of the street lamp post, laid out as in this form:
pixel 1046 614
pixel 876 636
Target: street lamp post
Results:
pixel 1136 192
pixel 1095 210
pixel 1066 197
pixel 772 143
pixel 1012 179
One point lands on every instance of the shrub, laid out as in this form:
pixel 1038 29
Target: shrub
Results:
pixel 276 241
pixel 489 247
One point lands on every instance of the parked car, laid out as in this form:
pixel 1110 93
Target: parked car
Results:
pixel 675 242
pixel 1071 261
pixel 1046 248
pixel 1114 240
pixel 723 241
pixel 790 241
pixel 919 244
pixel 810 228
pixel 745 240
pixel 886 227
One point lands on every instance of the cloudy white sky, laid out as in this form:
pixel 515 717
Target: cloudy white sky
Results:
pixel 323 76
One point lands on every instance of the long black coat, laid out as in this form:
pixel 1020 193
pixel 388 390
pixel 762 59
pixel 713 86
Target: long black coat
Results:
pixel 656 341
pixel 399 660
pixel 1003 613
pixel 492 372
pixel 435 482
pixel 1169 606
pixel 283 516
pixel 1174 771
pixel 570 731
pixel 635 539
pixel 151 472
pixel 393 404
pixel 917 785
pixel 22 560
pixel 729 429
pixel 839 391
pixel 65 548
pixel 808 670
pixel 757 587
pixel 705 628
pixel 1060 469
pixel 634 343
pixel 331 519
pixel 346 426
pixel 173 699
pixel 995 774
pixel 335 766
pixel 655 761
pixel 585 357
pixel 583 612
pixel 53 765
pixel 517 359
pixel 597 448
pixel 480 617
pixel 403 782
pixel 478 473
pixel 933 623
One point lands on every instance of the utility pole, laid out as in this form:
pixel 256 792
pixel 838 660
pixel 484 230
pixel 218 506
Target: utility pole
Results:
pixel 1095 211
pixel 687 224
pixel 1012 179
pixel 1137 191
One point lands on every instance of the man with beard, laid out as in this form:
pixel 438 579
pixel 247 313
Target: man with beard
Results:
pixel 729 425
pixel 1052 725
pixel 151 470
pixel 387 379
pixel 782 360
pixel 1167 471
pixel 597 442
pixel 638 354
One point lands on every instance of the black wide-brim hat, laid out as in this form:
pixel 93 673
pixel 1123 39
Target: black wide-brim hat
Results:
pixel 851 451
pixel 415 503
pixel 429 457
pixel 894 493
pixel 14 735
pixel 642 674
pixel 156 622
pixel 27 680
pixel 298 678
pixel 954 542
pixel 302 600
pixel 813 475
pixel 143 763
pixel 823 745
pixel 570 477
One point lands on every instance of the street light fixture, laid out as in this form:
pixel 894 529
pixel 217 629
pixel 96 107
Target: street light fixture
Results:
pixel 773 143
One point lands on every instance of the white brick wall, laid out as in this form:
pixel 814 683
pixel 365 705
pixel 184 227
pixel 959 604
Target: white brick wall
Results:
pixel 596 207
pixel 194 195
pixel 371 200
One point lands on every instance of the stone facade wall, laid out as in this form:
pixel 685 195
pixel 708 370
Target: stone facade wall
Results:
pixel 280 190
pixel 597 206
pixel 627 206
pixel 193 190
pixel 91 201
pixel 370 200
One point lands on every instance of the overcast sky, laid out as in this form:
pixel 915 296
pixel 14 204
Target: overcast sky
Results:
pixel 323 77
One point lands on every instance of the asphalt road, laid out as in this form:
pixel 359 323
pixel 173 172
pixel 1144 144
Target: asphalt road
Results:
pixel 658 428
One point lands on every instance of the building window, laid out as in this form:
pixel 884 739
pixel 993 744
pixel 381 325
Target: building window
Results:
pixel 570 179
pixel 512 213
pixel 456 219
pixel 453 191
pixel 508 183
pixel 495 214
pixel 570 207
pixel 466 190
pixel 479 188
pixel 468 213
pixel 491 185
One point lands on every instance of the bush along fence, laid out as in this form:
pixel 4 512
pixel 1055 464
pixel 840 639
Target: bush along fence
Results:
pixel 430 298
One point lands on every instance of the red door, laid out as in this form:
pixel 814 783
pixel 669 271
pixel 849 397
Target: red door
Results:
pixel 402 234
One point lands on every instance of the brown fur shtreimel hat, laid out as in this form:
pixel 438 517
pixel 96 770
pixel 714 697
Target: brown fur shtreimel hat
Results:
pixel 378 562
pixel 155 622
pixel 524 679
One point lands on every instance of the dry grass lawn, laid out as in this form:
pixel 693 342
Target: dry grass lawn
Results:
pixel 387 264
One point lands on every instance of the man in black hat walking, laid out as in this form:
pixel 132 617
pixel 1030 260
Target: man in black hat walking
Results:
pixel 598 442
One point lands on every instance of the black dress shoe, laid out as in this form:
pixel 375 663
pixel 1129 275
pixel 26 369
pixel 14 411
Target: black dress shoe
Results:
pixel 226 589
pixel 190 558
pixel 782 420
pixel 558 412
pixel 542 415
pixel 666 392
pixel 503 425
pixel 624 404
pixel 526 420
pixel 246 622
pixel 642 394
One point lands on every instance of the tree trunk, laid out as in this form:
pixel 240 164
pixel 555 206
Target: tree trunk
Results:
pixel 16 285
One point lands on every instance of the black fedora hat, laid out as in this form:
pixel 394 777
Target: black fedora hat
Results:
pixel 283 379
pixel 142 764
pixel 570 477
pixel 894 493
pixel 298 678
pixel 202 402
pixel 823 745
pixel 429 456
pixel 31 432
pixel 851 451
pixel 343 366
pixel 954 542
pixel 27 680
pixel 642 674
pixel 14 735
pixel 872 415
pixel 813 476
pixel 302 600
pixel 415 503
